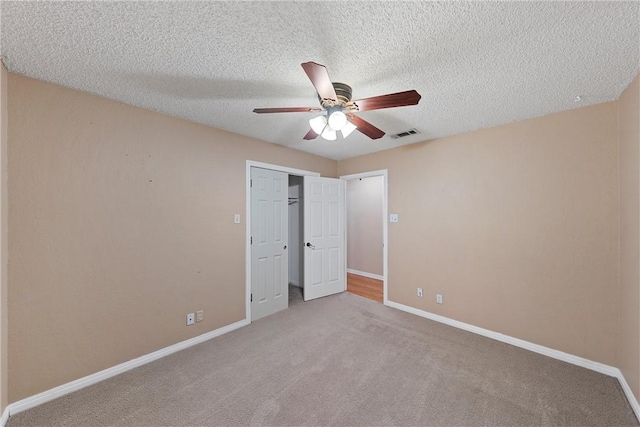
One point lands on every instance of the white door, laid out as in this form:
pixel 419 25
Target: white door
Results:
pixel 324 237
pixel 269 240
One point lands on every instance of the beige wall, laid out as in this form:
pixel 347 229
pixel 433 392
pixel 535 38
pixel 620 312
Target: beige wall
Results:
pixel 3 240
pixel 364 224
pixel 629 161
pixel 121 223
pixel 516 226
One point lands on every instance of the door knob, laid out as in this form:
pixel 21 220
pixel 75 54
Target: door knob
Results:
pixel 285 247
pixel 309 245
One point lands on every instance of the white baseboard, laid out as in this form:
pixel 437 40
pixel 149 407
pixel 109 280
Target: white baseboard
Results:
pixel 54 393
pixel 5 417
pixel 629 394
pixel 556 354
pixel 612 371
pixel 46 396
pixel 365 274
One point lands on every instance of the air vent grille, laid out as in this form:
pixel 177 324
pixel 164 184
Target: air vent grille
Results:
pixel 409 132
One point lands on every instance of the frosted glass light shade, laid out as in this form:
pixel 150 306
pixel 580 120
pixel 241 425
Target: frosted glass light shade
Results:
pixel 329 134
pixel 347 129
pixel 318 124
pixel 337 120
pixel 326 129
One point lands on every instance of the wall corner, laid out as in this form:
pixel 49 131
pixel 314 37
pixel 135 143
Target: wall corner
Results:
pixel 3 239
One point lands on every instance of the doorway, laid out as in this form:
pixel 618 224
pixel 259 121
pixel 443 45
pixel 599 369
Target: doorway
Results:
pixel 367 234
pixel 319 242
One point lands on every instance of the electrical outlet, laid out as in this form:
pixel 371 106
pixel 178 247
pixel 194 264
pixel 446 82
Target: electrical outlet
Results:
pixel 199 315
pixel 420 292
pixel 439 298
pixel 191 319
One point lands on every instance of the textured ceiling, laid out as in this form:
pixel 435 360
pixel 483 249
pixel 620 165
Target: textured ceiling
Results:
pixel 475 64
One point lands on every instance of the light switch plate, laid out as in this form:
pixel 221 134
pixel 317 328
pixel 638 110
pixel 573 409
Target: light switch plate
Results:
pixel 393 217
pixel 236 219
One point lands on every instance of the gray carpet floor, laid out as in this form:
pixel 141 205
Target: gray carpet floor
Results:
pixel 345 360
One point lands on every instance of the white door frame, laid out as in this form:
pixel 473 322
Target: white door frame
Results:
pixel 385 240
pixel 247 256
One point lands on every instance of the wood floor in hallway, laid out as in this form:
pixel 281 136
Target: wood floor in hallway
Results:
pixel 364 286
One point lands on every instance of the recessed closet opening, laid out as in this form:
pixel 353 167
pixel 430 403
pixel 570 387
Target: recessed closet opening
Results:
pixel 296 231
pixel 296 237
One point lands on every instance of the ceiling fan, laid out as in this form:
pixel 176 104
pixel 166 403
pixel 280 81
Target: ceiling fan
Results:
pixel 335 99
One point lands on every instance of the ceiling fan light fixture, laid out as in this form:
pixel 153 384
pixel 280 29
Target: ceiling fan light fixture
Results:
pixel 325 127
pixel 347 129
pixel 335 99
pixel 337 120
pixel 328 134
pixel 318 124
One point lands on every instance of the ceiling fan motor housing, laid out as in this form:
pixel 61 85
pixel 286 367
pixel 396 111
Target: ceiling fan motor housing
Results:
pixel 343 92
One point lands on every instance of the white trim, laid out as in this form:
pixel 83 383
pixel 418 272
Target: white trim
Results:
pixel 247 244
pixel 385 229
pixel 612 371
pixel 290 171
pixel 365 274
pixel 536 348
pixel 5 417
pixel 54 393
pixel 345 228
pixel 380 172
pixel 629 394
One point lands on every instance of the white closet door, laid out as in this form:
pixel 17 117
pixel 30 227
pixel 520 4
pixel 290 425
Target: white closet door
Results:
pixel 324 237
pixel 269 240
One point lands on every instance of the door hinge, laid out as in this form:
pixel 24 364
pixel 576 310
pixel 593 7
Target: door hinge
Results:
pixel 251 240
pixel 250 183
pixel 251 297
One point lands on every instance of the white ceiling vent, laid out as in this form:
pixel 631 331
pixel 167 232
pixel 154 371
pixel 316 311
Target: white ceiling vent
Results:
pixel 405 133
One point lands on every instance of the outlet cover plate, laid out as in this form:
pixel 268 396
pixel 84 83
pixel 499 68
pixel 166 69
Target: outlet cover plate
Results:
pixel 199 315
pixel 191 319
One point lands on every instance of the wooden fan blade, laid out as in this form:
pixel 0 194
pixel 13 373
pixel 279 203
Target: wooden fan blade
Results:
pixel 400 99
pixel 365 127
pixel 287 110
pixel 310 135
pixel 319 77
